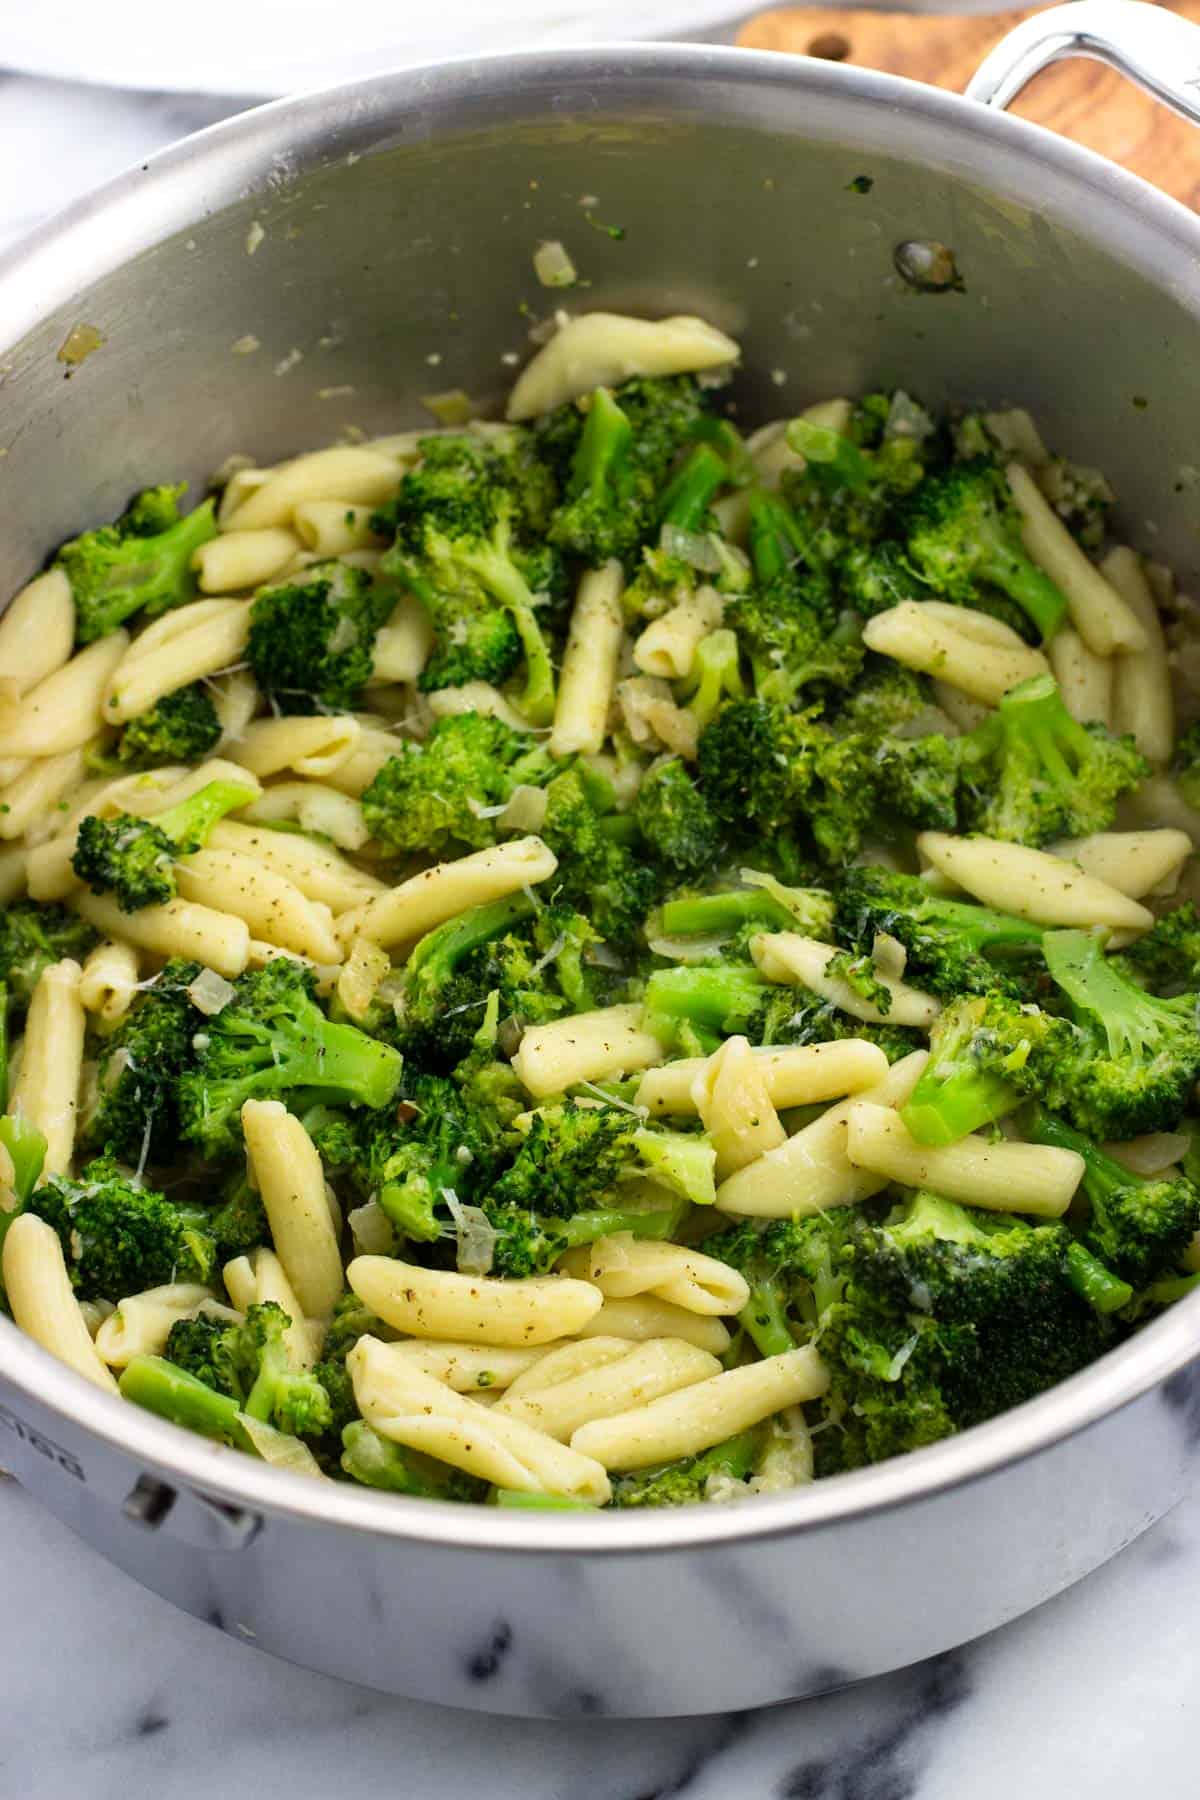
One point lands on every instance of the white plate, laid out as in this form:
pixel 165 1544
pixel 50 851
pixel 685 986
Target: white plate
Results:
pixel 267 47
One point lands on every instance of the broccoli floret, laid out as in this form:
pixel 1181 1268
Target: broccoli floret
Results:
pixel 985 1055
pixel 1135 1058
pixel 683 1483
pixel 715 676
pixel 964 529
pixel 693 1007
pixel 674 820
pixel 250 1363
pixel 874 577
pixel 136 1114
pixel 920 779
pixel 665 414
pixel 1044 775
pixel 528 1243
pixel 142 563
pixel 1185 765
pixel 1167 958
pixel 376 1462
pixel 954 947
pixel 272 1037
pixel 793 1016
pixel 444 790
pixel 888 698
pixel 351 1320
pixel 239 1223
pixel 574 1155
pixel 33 935
pixel 609 505
pixel 740 912
pixel 846 495
pixel 119 1237
pixel 182 727
pixel 786 622
pixel 1136 1225
pixel 458 520
pixel 312 640
pixel 135 857
pixel 597 874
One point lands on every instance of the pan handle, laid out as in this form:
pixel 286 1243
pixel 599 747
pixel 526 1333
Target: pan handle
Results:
pixel 1152 46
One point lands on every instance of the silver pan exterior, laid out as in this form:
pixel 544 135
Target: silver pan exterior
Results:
pixel 399 218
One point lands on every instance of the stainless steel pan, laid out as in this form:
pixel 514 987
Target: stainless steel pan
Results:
pixel 397 222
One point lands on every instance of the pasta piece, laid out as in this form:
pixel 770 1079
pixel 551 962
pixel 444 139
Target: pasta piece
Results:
pixel 315 747
pixel 647 1316
pixel 366 965
pixel 589 668
pixel 652 716
pixel 591 1046
pixel 402 646
pixel 1085 680
pixel 622 1265
pixel 1003 1176
pixel 185 645
pixel 682 1424
pixel 180 928
pixel 141 1323
pixel 37 634
pixel 243 480
pixel 447 889
pixel 1099 614
pixel 332 527
pixel 46 1092
pixel 314 869
pixel 469 1368
pixel 1136 863
pixel 260 1277
pixel 410 1407
pixel 64 709
pixel 42 1300
pixel 273 907
pixel 291 1183
pixel 375 747
pixel 1143 698
pixel 1031 883
pixel 109 981
pixel 794 1076
pixel 348 473
pixel 733 1099
pixel 811 1172
pixel 243 559
pixel 959 708
pixel 667 646
pixel 475 1309
pixel 314 808
pixel 1016 431
pixel 602 349
pixel 235 699
pixel 476 696
pixel 786 956
pixel 980 627
pixel 929 642
pixel 28 804
pixel 558 1396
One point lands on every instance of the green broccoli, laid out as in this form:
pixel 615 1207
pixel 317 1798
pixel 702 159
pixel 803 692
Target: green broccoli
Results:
pixel 609 506
pixel 312 639
pixel 964 529
pixel 954 947
pixel 872 578
pixel 715 676
pixel 674 821
pixel 574 1155
pixel 142 563
pixel 985 1056
pixel 692 1007
pixel 597 874
pixel 1185 765
pixel 119 1237
pixel 135 857
pixel 683 1483
pixel 786 621
pixel 136 1114
pixel 448 789
pixel 1166 958
pixel 1138 1226
pixel 182 727
pixel 735 912
pixel 33 935
pixel 351 1320
pixel 239 1223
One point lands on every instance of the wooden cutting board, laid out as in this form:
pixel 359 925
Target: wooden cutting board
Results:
pixel 1083 100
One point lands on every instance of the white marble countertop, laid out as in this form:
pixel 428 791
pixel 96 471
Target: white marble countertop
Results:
pixel 110 1692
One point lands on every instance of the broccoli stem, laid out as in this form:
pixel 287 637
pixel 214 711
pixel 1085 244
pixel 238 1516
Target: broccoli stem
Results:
pixel 439 952
pixel 160 1387
pixel 189 823
pixel 1170 1289
pixel 717 675
pixel 831 455
pixel 378 1463
pixel 705 914
pixel 1103 1175
pixel 27 1150
pixel 711 999
pixel 520 1501
pixel 502 578
pixel 589 1227
pixel 686 499
pixel 1020 578
pixel 1103 1290
pixel 774 532
pixel 955 1095
pixel 604 444
pixel 764 1318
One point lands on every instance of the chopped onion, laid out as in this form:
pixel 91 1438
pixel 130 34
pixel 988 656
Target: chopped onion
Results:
pixel 696 548
pixel 907 420
pixel 280 1450
pixel 553 267
pixel 450 408
pixel 1151 1154
pixel 371 1230
pixel 526 809
pixel 797 901
pixel 476 1236
pixel 210 993
pixel 688 949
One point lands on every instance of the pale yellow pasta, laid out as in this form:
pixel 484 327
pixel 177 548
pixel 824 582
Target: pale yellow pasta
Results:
pixel 410 1407
pixel 935 645
pixel 1099 614
pixel 686 1422
pixel 315 746
pixel 733 1099
pixel 260 1277
pixel 243 559
pixel 1031 883
pixel 185 645
pixel 180 928
pixel 354 774
pixel 602 349
pixel 13 873
pixel 46 1092
pixel 1143 695
pixel 366 965
pixel 50 874
pixel 799 1075
pixel 475 1309
pixel 109 980
pixel 402 646
pixel 28 805
pixel 1085 680
pixel 1136 863
pixel 472 1368
pixel 561 1393
pixel 272 906
pixel 141 1323
pixel 667 646
pixel 589 667
pixel 786 956
pixel 243 481
pixel 647 1316
pixel 235 699
pixel 347 473
pixel 316 870
pixel 1157 803
pixel 1002 1175
pixel 622 1266
pixel 959 708
pixel 42 1300
pixel 1016 431
pixel 314 807
pixel 980 627
pixel 811 1172
pixel 37 632
pixel 64 709
pixel 291 1183
pixel 447 889
pixel 589 1046
pixel 163 788
pixel 12 766
pixel 331 527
